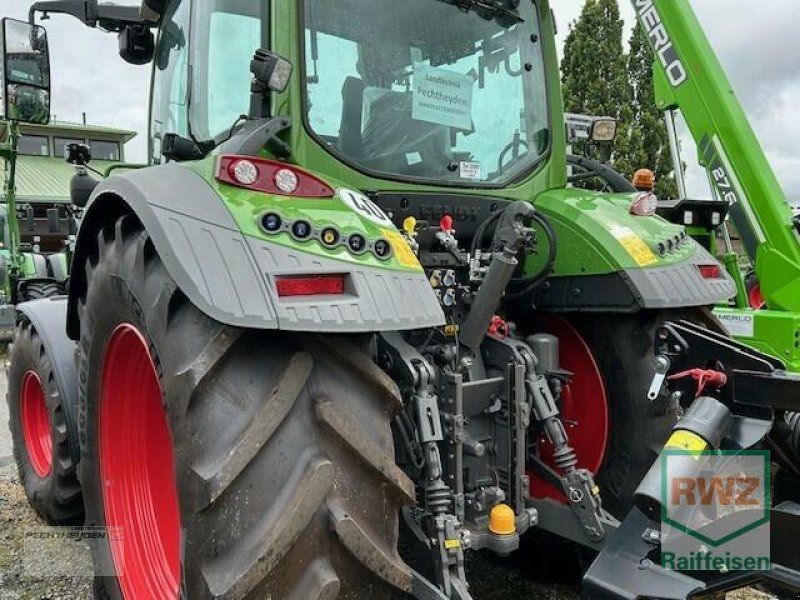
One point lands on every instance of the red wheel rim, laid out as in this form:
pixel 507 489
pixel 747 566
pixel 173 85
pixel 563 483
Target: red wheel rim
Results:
pixel 36 424
pixel 756 298
pixel 137 471
pixel 584 405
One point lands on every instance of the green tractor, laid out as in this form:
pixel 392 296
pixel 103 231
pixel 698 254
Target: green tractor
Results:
pixel 352 324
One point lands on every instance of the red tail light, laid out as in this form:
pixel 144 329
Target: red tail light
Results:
pixel 320 285
pixel 270 176
pixel 710 271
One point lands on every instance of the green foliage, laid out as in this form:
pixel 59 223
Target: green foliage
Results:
pixel 600 79
pixel 648 144
pixel 594 71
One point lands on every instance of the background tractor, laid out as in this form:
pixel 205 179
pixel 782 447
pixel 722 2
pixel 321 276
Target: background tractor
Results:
pixel 351 323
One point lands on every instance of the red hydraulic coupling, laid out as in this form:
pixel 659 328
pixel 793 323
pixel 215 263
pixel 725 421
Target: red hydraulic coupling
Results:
pixel 704 377
pixel 499 327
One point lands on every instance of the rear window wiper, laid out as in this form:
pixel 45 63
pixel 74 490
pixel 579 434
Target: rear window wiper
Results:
pixel 490 9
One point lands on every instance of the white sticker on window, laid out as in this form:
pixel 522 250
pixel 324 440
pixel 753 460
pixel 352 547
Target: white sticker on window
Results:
pixel 413 158
pixel 738 325
pixel 364 206
pixel 442 97
pixel 470 170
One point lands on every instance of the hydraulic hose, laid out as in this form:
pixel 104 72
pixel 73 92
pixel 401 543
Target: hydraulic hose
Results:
pixel 539 278
pixel 616 182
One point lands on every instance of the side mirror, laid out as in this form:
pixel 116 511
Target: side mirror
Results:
pixel 25 77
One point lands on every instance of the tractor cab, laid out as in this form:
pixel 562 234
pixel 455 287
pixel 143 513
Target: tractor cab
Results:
pixel 426 92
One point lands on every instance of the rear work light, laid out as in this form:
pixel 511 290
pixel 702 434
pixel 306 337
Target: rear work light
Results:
pixel 317 285
pixel 270 177
pixel 710 271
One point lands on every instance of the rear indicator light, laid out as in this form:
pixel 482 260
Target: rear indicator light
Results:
pixel 710 271
pixel 271 177
pixel 644 205
pixel 321 285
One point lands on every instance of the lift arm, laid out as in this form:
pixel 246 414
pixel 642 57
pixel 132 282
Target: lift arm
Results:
pixel 688 76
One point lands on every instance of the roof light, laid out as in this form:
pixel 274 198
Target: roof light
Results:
pixel 286 181
pixel 710 271
pixel 644 205
pixel 270 177
pixel 321 285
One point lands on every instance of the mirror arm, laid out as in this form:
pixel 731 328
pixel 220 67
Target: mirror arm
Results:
pixel 108 16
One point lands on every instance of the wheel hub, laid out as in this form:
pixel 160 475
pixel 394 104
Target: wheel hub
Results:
pixel 36 424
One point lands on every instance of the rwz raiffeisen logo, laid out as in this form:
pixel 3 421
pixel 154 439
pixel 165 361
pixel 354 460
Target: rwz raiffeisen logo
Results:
pixel 662 44
pixel 715 511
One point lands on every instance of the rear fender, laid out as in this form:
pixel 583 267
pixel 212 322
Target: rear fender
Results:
pixel 48 317
pixel 229 275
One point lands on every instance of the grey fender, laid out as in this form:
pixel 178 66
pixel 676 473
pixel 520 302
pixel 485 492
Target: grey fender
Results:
pixel 230 276
pixel 48 317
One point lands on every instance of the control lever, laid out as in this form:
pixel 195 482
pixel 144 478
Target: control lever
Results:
pixel 662 366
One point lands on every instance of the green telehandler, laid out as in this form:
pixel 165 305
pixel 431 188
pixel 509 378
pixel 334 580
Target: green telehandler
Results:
pixel 351 323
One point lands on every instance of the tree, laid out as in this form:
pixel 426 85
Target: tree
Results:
pixel 648 145
pixel 595 74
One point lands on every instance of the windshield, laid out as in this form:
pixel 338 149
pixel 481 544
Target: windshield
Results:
pixel 425 90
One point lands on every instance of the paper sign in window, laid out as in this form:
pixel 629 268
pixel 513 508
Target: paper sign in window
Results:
pixel 442 97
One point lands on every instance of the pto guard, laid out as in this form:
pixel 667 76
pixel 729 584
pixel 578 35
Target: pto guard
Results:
pixel 230 276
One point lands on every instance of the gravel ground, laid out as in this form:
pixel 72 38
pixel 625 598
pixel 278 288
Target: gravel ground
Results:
pixel 490 577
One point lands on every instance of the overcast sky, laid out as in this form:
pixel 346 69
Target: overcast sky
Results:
pixel 756 42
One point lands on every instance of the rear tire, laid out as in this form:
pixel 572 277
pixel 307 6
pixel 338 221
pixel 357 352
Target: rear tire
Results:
pixel 46 470
pixel 38 290
pixel 284 470
pixel 624 349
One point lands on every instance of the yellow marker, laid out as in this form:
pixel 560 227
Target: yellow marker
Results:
pixel 405 255
pixel 450 330
pixel 502 520
pixel 450 544
pixel 686 440
pixel 635 246
pixel 410 226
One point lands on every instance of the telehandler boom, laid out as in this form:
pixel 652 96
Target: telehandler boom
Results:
pixel 688 77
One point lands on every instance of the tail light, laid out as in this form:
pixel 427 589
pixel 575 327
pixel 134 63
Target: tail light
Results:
pixel 710 271
pixel 270 177
pixel 318 285
pixel 644 205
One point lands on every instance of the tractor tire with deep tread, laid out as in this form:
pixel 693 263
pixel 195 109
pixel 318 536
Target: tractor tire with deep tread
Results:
pixel 56 495
pixel 38 290
pixel 623 346
pixel 284 461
